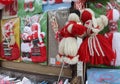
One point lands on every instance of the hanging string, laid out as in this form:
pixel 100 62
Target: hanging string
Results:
pixel 60 72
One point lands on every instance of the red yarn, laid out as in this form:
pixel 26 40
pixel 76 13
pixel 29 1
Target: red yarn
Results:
pixel 86 16
pixel 95 60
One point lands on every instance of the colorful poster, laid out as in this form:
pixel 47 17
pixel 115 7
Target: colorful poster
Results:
pixel 34 38
pixel 10 11
pixel 10 43
pixel 29 7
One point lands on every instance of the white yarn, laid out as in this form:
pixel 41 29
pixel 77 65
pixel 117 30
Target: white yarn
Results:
pixel 71 47
pixel 61 46
pixel 92 42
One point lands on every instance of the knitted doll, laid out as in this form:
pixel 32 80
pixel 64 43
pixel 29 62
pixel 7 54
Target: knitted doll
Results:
pixel 28 5
pixel 8 47
pixel 113 35
pixel 38 50
pixel 68 47
pixel 26 43
pixel 95 48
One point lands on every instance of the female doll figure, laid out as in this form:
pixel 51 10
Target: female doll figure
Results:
pixel 68 47
pixel 95 48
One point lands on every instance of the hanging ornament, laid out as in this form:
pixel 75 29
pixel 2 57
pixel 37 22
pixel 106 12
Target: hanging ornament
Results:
pixel 2 6
pixel 6 2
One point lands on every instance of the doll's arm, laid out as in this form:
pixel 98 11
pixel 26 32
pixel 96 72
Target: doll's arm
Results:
pixel 78 30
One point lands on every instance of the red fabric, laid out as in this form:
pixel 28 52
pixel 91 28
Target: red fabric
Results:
pixel 109 37
pixel 95 60
pixel 42 57
pixel 78 29
pixel 86 15
pixel 110 14
pixel 64 31
pixel 58 1
pixel 15 52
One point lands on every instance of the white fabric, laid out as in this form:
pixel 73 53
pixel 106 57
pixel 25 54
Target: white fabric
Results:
pixel 116 47
pixel 116 15
pixel 79 41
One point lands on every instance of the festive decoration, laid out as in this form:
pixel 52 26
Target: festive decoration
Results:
pixel 10 11
pixel 95 48
pixel 28 5
pixel 33 47
pixel 26 43
pixel 113 35
pixel 68 52
pixel 38 51
pixel 10 42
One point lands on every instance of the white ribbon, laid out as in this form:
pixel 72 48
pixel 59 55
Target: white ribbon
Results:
pixel 92 42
